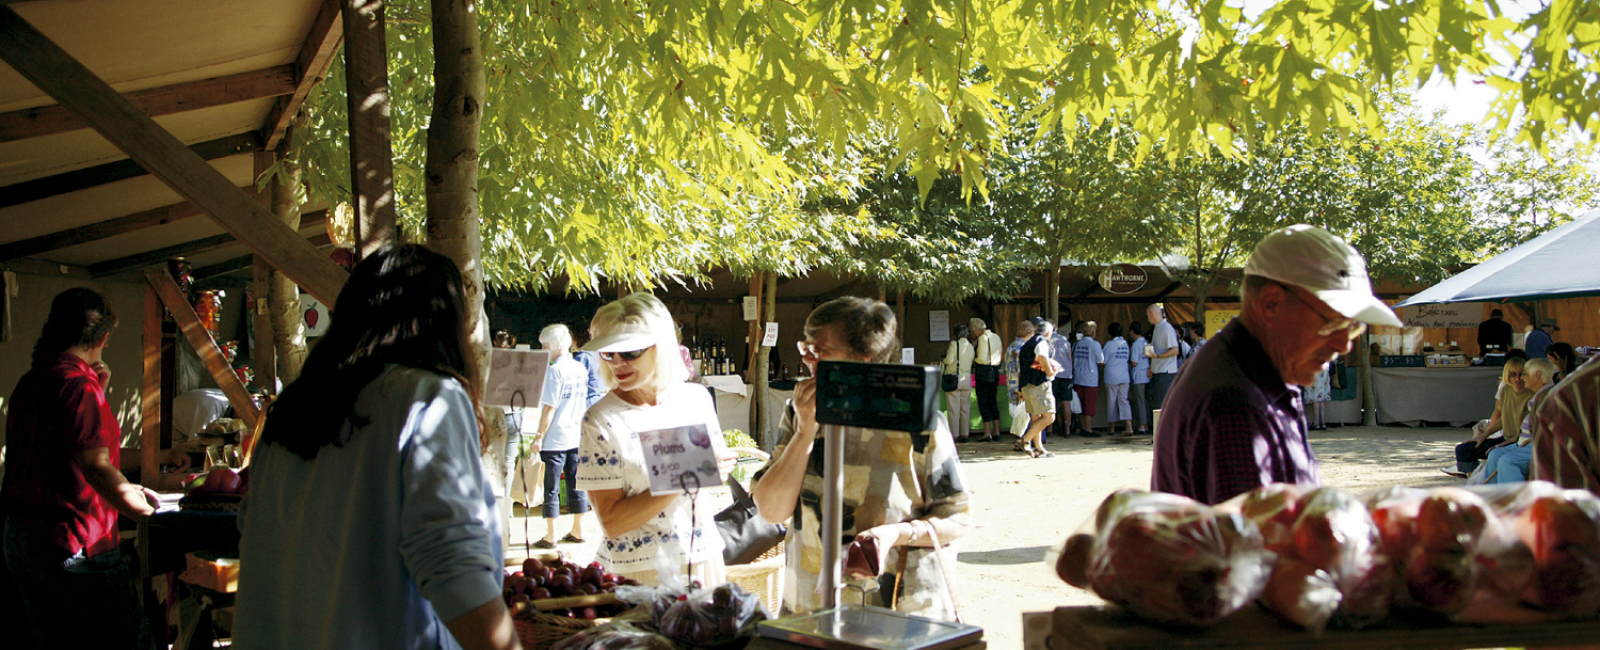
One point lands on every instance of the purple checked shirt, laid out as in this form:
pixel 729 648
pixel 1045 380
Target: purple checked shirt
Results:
pixel 1231 424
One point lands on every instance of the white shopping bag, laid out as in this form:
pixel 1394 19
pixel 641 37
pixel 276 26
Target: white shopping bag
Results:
pixel 527 483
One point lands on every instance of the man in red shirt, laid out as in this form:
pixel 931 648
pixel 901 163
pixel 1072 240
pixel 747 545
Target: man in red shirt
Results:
pixel 63 489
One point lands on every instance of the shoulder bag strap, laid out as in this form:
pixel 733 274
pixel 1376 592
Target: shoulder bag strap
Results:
pixel 938 558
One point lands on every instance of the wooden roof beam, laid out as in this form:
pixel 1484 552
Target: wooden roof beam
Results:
pixel 311 66
pixel 196 247
pixel 244 262
pixel 97 231
pixel 53 70
pixel 121 170
pixel 166 100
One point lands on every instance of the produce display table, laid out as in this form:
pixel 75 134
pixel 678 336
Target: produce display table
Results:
pixel 1456 395
pixel 1107 628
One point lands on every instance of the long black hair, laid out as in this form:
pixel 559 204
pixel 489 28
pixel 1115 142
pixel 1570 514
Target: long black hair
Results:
pixel 403 305
pixel 78 316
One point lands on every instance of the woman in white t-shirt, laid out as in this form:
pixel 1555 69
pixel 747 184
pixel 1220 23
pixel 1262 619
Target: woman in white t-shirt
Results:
pixel 647 535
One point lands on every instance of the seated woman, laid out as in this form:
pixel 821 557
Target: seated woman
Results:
pixel 1510 401
pixel 648 538
pixel 1509 463
pixel 370 521
pixel 900 489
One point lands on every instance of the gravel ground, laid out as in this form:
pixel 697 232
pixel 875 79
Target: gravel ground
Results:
pixel 1024 506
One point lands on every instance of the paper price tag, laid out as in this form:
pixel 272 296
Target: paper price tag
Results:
pixel 677 456
pixel 771 337
pixel 908 356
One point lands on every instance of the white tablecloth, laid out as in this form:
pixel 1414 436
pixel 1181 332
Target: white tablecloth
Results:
pixel 1455 395
pixel 733 411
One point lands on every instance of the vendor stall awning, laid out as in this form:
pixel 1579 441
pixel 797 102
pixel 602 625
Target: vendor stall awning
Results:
pixel 1558 264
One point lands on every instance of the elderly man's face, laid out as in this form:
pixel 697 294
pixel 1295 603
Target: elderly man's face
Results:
pixel 1296 344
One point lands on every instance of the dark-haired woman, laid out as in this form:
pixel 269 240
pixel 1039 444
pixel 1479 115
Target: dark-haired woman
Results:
pixel 900 489
pixel 64 488
pixel 370 521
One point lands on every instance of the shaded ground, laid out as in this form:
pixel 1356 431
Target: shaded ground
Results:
pixel 1024 506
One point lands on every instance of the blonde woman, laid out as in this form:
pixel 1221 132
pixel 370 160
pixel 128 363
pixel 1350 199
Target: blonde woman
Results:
pixel 647 538
pixel 1511 399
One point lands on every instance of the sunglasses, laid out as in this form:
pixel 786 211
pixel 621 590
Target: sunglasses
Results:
pixel 623 356
pixel 1330 326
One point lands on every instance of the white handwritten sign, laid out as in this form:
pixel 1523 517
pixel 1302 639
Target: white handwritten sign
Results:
pixel 677 456
pixel 939 325
pixel 516 378
pixel 1463 315
pixel 771 337
pixel 752 307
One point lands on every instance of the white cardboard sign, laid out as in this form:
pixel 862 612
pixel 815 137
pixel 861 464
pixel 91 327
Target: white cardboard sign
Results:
pixel 939 325
pixel 677 456
pixel 516 378
pixel 752 308
pixel 771 337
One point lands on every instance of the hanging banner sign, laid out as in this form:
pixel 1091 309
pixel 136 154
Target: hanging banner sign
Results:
pixel 1462 315
pixel 1123 278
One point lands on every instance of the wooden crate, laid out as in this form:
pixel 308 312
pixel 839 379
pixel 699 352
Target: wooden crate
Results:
pixel 1110 628
pixel 217 574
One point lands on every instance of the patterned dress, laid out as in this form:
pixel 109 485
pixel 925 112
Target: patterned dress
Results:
pixel 889 477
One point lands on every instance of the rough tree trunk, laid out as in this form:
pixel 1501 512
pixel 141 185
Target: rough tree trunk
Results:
pixel 451 181
pixel 283 295
pixel 1052 295
pixel 367 99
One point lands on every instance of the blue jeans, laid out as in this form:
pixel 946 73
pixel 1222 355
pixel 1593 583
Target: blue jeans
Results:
pixel 1509 464
pixel 73 600
pixel 557 463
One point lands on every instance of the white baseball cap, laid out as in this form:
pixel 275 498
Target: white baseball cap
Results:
pixel 1320 262
pixel 628 335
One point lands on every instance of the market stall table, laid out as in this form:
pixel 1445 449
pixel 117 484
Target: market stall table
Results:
pixel 1110 628
pixel 1412 396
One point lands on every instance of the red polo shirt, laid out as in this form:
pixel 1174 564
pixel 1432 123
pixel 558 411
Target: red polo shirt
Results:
pixel 57 412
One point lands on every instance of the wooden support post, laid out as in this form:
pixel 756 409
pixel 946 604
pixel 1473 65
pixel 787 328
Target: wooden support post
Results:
pixel 150 389
pixel 1369 396
pixel 769 313
pixel 366 71
pixel 900 315
pixel 44 63
pixel 189 323
pixel 757 375
pixel 263 353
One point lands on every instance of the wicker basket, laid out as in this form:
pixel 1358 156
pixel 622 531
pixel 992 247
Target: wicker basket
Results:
pixel 763 577
pixel 539 631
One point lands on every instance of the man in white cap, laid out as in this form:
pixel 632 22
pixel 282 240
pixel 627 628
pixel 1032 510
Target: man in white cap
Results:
pixel 1235 418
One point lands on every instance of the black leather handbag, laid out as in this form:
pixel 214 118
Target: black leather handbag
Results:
pixel 948 383
pixel 745 535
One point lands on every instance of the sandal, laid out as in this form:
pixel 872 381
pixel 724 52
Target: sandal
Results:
pixel 544 544
pixel 1042 453
pixel 571 539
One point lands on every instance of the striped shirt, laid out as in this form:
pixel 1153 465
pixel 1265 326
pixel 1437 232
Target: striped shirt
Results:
pixel 1566 431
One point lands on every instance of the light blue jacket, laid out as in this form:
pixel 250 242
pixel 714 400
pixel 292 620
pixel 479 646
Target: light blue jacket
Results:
pixel 377 542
